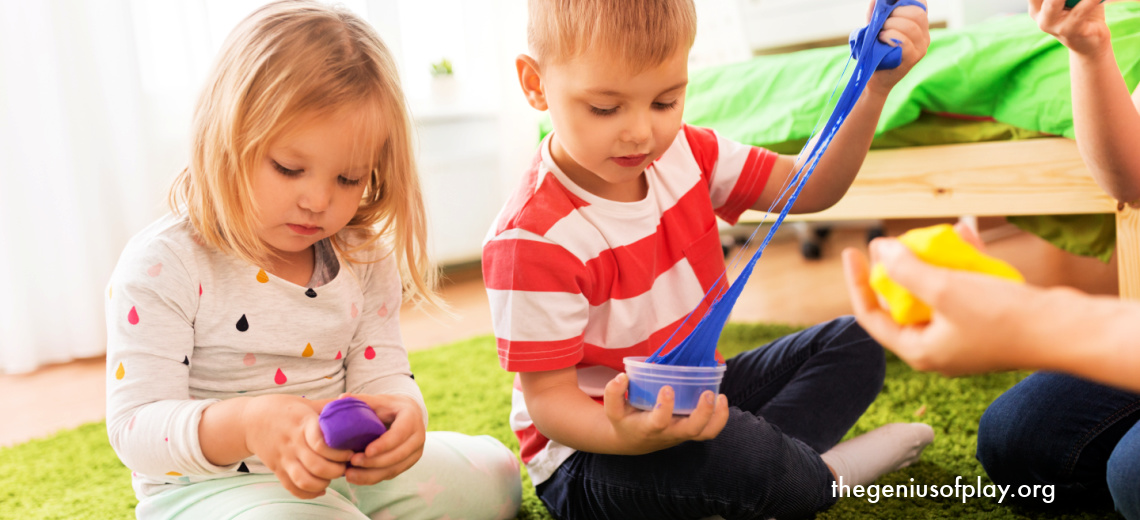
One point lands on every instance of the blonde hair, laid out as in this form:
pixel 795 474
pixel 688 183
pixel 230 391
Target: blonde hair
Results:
pixel 643 33
pixel 286 61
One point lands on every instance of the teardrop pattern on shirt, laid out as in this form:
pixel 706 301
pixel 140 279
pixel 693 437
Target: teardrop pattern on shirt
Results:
pixel 243 324
pixel 186 360
pixel 338 355
pixel 280 377
pixel 261 276
pixel 352 312
pixel 109 290
pixel 249 359
pixel 369 353
pixel 154 270
pixel 199 289
pixel 174 473
pixel 243 468
pixel 120 372
pixel 383 311
pixel 308 352
pixel 311 293
pixel 133 317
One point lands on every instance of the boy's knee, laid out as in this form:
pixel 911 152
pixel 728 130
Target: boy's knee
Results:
pixel 864 352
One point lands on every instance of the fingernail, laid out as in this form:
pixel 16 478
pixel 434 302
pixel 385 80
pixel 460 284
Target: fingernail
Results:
pixel 707 397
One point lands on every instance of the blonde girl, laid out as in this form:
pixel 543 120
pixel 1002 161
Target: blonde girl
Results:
pixel 274 287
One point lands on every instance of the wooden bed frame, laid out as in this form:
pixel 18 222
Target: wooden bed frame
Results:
pixel 1030 177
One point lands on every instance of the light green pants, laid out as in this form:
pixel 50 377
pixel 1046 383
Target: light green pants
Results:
pixel 459 476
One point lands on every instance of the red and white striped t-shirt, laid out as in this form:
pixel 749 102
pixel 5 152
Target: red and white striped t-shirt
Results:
pixel 578 280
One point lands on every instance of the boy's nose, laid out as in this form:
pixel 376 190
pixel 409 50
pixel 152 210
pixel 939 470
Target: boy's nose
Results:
pixel 640 129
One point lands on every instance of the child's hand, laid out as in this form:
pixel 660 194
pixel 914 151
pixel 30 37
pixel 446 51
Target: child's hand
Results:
pixel 1082 29
pixel 659 429
pixel 282 430
pixel 909 25
pixel 395 451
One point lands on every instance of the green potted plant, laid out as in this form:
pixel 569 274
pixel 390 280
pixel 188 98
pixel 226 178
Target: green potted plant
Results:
pixel 444 88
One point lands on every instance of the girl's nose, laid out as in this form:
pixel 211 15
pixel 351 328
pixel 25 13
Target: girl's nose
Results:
pixel 314 196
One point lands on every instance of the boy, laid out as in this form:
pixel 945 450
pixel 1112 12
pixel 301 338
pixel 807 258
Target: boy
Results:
pixel 611 241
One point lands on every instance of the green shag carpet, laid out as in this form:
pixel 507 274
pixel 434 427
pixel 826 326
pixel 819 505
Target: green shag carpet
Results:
pixel 74 474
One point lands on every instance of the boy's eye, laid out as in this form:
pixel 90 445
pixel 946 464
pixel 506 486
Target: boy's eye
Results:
pixel 602 111
pixel 286 171
pixel 665 106
pixel 345 181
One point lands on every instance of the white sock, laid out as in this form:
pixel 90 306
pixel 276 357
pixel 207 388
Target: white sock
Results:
pixel 863 459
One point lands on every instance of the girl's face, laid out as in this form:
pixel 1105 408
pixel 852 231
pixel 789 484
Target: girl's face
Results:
pixel 310 182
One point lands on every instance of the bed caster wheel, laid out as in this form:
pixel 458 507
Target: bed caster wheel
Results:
pixel 726 243
pixel 875 232
pixel 811 251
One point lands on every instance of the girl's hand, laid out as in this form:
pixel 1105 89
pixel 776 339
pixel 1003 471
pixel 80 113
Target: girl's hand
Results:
pixel 282 430
pixel 978 323
pixel 910 26
pixel 1082 29
pixel 659 429
pixel 395 451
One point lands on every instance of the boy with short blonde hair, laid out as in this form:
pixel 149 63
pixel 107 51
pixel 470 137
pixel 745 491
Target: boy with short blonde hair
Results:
pixel 611 241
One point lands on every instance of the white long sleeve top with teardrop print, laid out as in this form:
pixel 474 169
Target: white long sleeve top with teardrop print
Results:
pixel 188 326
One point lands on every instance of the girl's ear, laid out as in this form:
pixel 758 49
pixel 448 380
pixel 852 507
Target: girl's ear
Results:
pixel 531 81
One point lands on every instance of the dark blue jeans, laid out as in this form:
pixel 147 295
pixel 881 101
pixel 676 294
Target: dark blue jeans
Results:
pixel 1081 437
pixel 790 401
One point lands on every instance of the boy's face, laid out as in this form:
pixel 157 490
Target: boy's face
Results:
pixel 610 123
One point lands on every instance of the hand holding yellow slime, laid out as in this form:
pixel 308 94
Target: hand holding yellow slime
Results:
pixel 939 246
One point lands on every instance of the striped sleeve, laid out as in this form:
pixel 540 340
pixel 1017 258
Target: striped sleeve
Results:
pixel 539 308
pixel 736 173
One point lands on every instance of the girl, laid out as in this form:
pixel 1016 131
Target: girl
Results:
pixel 274 288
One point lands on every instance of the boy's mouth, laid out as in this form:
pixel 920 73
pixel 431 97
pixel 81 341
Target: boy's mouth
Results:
pixel 629 161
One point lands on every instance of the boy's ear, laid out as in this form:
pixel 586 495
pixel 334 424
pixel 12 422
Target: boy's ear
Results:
pixel 531 81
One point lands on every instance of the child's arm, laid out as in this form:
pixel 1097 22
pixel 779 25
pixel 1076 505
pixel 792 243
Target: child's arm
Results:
pixel 563 413
pixel 984 324
pixel 377 371
pixel 1105 116
pixel 838 166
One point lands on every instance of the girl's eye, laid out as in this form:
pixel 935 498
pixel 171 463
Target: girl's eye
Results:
pixel 286 171
pixel 345 181
pixel 602 111
pixel 666 106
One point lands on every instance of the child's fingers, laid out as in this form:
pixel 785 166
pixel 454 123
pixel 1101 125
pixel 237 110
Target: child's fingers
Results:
pixel 304 484
pixel 613 398
pixel 1050 14
pixel 662 415
pixel 718 420
pixel 391 452
pixel 316 441
pixel 320 467
pixel 1034 8
pixel 699 418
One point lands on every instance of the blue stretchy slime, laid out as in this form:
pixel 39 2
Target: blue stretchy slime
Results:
pixel 699 348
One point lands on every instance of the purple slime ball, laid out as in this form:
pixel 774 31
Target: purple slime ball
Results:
pixel 349 424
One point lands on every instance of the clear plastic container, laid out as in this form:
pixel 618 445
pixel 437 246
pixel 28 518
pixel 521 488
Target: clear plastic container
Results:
pixel 688 383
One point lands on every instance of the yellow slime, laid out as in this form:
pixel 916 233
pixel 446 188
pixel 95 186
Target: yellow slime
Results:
pixel 939 246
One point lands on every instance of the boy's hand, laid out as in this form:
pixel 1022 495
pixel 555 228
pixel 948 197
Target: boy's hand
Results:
pixel 910 26
pixel 659 429
pixel 282 430
pixel 1082 29
pixel 395 451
